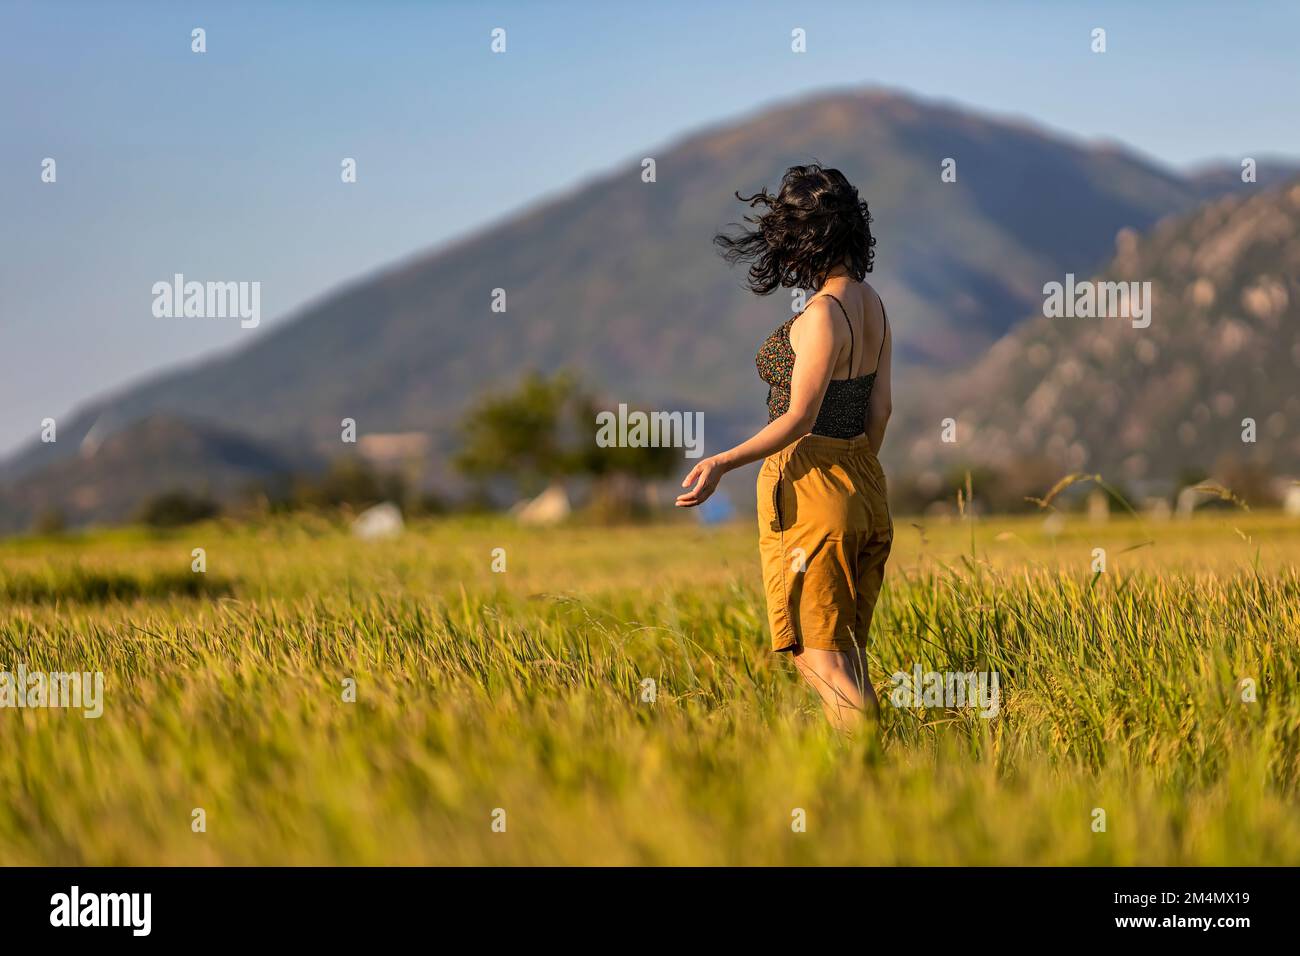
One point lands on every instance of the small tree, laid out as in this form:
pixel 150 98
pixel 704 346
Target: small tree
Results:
pixel 517 435
pixel 172 509
pixel 350 481
pixel 545 430
pixel 51 521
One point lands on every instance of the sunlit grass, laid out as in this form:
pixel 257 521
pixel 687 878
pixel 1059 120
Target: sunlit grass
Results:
pixel 524 691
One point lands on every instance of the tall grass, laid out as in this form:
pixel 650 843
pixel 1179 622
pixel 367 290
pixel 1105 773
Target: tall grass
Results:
pixel 525 692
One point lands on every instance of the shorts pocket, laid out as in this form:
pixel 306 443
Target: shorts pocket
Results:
pixel 773 506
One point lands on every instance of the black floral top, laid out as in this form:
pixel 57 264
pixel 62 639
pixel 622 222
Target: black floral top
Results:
pixel 844 407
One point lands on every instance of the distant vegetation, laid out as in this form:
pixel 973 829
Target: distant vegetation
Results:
pixel 544 431
pixel 513 444
pixel 171 509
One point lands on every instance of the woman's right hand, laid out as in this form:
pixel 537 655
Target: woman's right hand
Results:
pixel 704 477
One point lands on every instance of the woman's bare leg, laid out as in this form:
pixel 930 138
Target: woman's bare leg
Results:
pixel 840 679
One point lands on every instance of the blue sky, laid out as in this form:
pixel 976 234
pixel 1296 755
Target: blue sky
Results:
pixel 226 164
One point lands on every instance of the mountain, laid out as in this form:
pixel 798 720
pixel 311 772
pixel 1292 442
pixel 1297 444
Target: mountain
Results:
pixel 1142 406
pixel 619 281
pixel 1215 179
pixel 106 481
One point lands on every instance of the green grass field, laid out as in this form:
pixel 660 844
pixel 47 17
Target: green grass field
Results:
pixel 522 692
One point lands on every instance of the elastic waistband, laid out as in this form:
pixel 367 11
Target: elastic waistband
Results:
pixel 826 448
pixel 833 444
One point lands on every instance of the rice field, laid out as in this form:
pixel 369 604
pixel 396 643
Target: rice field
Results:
pixel 473 692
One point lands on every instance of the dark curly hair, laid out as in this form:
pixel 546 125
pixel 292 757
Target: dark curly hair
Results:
pixel 814 223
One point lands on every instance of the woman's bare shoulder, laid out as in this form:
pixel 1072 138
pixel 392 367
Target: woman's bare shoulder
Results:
pixel 869 293
pixel 816 318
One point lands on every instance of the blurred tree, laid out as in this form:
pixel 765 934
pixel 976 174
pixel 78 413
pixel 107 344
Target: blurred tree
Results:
pixel 51 521
pixel 349 481
pixel 172 509
pixel 516 435
pixel 545 430
pixel 642 464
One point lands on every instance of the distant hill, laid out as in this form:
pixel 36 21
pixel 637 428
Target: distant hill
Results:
pixel 1145 405
pixel 618 281
pixel 1215 179
pixel 107 481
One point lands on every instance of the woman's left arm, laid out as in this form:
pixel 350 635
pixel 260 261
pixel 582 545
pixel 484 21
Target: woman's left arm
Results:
pixel 814 362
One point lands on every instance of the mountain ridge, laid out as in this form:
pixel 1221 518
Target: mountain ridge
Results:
pixel 616 279
pixel 1207 388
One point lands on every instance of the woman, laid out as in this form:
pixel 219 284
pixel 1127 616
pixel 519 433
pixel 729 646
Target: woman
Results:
pixel 824 525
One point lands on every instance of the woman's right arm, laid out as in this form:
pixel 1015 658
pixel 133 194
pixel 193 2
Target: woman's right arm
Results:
pixel 814 360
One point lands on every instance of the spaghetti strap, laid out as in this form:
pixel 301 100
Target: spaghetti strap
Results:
pixel 849 322
pixel 884 330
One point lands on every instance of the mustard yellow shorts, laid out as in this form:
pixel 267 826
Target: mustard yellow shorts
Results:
pixel 824 536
